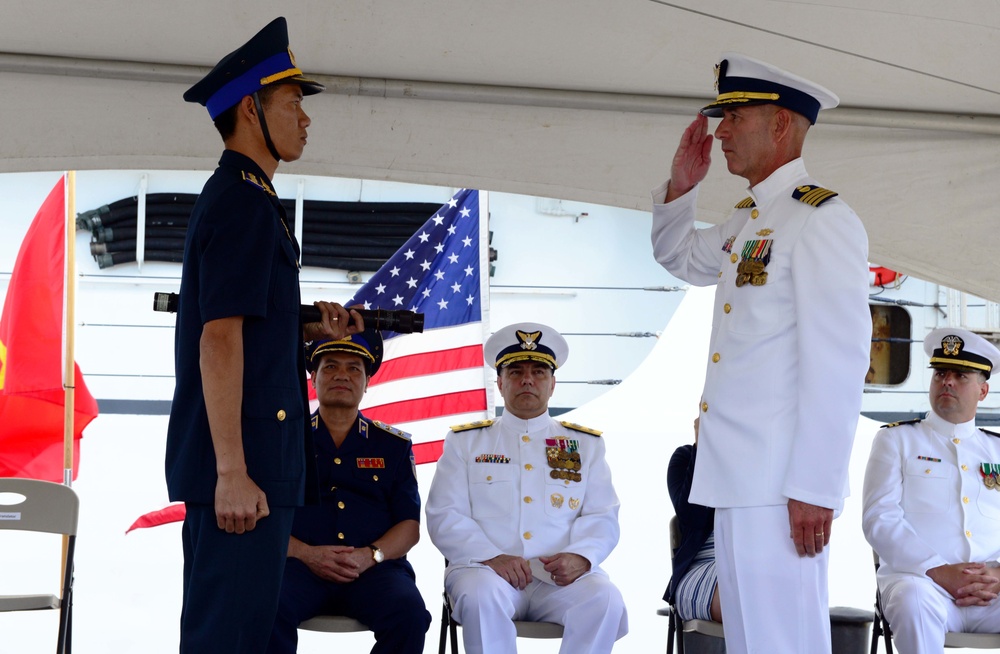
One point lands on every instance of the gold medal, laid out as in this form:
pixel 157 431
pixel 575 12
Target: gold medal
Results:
pixel 759 279
pixel 742 279
pixel 990 481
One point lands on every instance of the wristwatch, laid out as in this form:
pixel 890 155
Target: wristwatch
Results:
pixel 377 554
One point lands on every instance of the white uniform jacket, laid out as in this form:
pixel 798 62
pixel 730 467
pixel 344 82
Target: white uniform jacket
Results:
pixel 925 500
pixel 788 358
pixel 494 493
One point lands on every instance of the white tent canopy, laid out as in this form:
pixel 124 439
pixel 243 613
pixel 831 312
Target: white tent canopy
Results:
pixel 574 99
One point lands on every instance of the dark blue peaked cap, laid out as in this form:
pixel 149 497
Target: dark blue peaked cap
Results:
pixel 263 60
pixel 367 345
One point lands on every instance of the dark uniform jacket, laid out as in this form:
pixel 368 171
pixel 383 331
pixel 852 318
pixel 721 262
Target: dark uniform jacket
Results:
pixel 696 522
pixel 367 485
pixel 241 259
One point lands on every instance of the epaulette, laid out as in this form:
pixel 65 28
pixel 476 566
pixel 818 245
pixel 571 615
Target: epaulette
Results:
pixel 389 429
pixel 902 422
pixel 745 204
pixel 479 424
pixel 250 178
pixel 576 427
pixel 813 195
pixel 991 433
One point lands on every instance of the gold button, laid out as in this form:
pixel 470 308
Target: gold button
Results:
pixel 567 482
pixel 704 407
pixel 340 535
pixel 720 273
pixel 489 477
pixel 733 258
pixel 754 214
pixel 969 534
pixel 965 467
pixel 281 414
pixel 727 307
pixel 965 500
pixel 526 438
pixel 956 440
pixel 374 477
pixel 527 535
pixel 927 471
pixel 527 500
pixel 336 460
pixel 528 466
pixel 340 505
pixel 716 357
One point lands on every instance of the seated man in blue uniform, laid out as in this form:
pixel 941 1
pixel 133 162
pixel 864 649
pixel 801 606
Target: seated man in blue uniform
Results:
pixel 525 512
pixel 237 439
pixel 932 506
pixel 347 556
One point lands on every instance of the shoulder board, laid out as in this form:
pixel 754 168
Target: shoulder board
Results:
pixel 991 433
pixel 479 424
pixel 745 204
pixel 576 427
pixel 389 429
pixel 813 195
pixel 902 422
pixel 253 180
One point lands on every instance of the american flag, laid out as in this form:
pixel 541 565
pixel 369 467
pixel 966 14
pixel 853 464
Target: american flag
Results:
pixel 431 380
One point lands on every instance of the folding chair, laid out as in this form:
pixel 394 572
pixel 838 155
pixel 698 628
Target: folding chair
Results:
pixel 880 627
pixel 338 624
pixel 47 508
pixel 709 628
pixel 525 628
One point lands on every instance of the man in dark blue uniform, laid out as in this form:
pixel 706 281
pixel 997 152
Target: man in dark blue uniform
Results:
pixel 347 556
pixel 237 438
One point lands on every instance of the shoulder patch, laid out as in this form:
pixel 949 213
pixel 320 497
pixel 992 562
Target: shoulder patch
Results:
pixel 745 204
pixel 253 180
pixel 901 422
pixel 581 428
pixel 991 433
pixel 389 429
pixel 813 195
pixel 479 424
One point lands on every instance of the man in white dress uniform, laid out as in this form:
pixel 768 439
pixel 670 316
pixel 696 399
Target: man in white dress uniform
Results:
pixel 932 504
pixel 789 351
pixel 524 510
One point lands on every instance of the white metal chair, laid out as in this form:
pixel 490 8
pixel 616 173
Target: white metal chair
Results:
pixel 880 627
pixel 677 627
pixel 45 507
pixel 525 628
pixel 337 624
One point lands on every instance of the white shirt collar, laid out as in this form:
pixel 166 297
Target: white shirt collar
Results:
pixel 778 182
pixel 521 426
pixel 945 428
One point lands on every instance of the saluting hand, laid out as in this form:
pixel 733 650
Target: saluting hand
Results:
pixel 692 159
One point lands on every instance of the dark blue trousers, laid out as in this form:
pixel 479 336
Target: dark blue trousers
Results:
pixel 231 582
pixel 385 599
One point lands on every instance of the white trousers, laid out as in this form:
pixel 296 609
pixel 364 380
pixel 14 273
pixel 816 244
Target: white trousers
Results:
pixel 773 600
pixel 590 609
pixel 920 613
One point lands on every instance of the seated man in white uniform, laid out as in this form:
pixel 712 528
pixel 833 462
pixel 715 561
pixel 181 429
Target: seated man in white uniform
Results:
pixel 524 510
pixel 932 504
